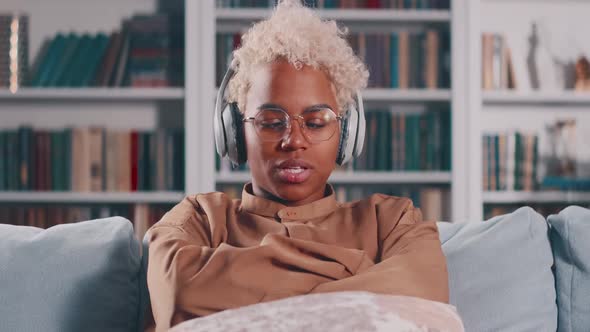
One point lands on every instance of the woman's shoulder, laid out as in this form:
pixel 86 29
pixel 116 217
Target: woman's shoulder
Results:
pixel 198 207
pixel 381 200
pixel 388 209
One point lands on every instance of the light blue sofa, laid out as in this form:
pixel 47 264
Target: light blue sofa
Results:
pixel 517 272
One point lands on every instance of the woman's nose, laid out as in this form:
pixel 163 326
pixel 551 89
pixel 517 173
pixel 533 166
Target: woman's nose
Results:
pixel 295 137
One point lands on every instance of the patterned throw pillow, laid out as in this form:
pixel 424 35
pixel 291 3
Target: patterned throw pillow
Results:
pixel 331 312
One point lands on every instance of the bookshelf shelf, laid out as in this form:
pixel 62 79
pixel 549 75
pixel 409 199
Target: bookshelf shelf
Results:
pixel 515 197
pixel 409 95
pixel 91 197
pixel 405 95
pixel 247 15
pixel 359 177
pixel 563 98
pixel 97 94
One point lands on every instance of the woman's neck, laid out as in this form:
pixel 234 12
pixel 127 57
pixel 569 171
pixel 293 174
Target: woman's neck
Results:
pixel 260 192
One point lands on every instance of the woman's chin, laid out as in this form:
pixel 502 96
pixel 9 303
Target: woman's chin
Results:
pixel 296 192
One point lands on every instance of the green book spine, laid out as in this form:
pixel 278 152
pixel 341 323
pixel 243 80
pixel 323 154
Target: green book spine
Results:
pixel 428 141
pixel 535 161
pixel 497 160
pixel 447 128
pixel 78 61
pixel 3 162
pixel 394 60
pixel 435 139
pixel 43 62
pixel 54 60
pixel 409 138
pixel 100 43
pixel 67 164
pixel 489 159
pixel 385 154
pixel 517 162
pixel 63 67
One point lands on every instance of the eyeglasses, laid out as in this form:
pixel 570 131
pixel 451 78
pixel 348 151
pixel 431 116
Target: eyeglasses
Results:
pixel 274 124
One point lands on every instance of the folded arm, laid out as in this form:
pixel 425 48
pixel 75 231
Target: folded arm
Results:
pixel 411 263
pixel 189 277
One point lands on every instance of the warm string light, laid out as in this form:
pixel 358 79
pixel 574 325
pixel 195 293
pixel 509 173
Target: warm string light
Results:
pixel 14 53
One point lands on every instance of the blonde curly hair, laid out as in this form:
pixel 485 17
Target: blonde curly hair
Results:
pixel 297 34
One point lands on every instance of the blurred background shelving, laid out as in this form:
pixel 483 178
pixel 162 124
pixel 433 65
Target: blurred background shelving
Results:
pixel 437 115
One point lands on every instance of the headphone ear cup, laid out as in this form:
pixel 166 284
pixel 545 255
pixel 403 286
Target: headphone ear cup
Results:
pixel 234 134
pixel 343 139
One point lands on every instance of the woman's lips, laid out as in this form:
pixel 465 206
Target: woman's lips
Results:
pixel 293 175
pixel 293 171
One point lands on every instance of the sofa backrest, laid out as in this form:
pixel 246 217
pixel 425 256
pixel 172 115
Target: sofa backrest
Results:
pixel 500 276
pixel 570 241
pixel 72 277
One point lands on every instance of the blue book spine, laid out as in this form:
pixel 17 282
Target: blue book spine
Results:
pixel 3 162
pixel 394 58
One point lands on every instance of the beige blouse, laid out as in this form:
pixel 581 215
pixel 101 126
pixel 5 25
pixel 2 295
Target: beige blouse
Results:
pixel 210 253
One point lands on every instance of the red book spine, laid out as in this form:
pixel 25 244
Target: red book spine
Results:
pixel 134 160
pixel 373 4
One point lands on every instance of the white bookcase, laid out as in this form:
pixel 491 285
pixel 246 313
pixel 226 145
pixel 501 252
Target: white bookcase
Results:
pixel 563 27
pixel 193 105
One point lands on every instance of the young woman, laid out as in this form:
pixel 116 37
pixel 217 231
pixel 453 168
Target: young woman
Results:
pixel 294 83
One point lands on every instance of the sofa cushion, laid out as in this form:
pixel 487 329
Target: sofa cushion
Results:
pixel 500 276
pixel 570 234
pixel 72 277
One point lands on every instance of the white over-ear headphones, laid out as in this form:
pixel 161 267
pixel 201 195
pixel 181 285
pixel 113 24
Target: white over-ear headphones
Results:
pixel 229 132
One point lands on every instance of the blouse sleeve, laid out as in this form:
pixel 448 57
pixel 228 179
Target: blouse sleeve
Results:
pixel 411 260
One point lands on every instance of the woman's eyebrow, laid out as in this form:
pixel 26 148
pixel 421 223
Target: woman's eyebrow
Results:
pixel 312 108
pixel 270 105
pixel 317 107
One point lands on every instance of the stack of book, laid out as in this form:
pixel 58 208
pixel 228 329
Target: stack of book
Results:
pixel 14 51
pixel 401 60
pixel 566 183
pixel 139 56
pixel 510 162
pixel 45 216
pixel 497 65
pixel 91 159
pixel 367 4
pixel 406 142
pixel 405 59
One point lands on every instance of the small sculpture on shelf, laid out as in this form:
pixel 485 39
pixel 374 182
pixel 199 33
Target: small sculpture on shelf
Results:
pixel 562 139
pixel 582 74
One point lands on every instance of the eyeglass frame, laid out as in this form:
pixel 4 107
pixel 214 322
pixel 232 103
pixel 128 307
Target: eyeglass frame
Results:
pixel 296 118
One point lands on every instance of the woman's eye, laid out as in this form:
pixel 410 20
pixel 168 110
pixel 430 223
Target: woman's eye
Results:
pixel 315 124
pixel 272 124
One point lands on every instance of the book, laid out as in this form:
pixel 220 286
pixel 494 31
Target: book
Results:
pixel 91 159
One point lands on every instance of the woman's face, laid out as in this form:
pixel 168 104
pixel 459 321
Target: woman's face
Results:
pixel 292 170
